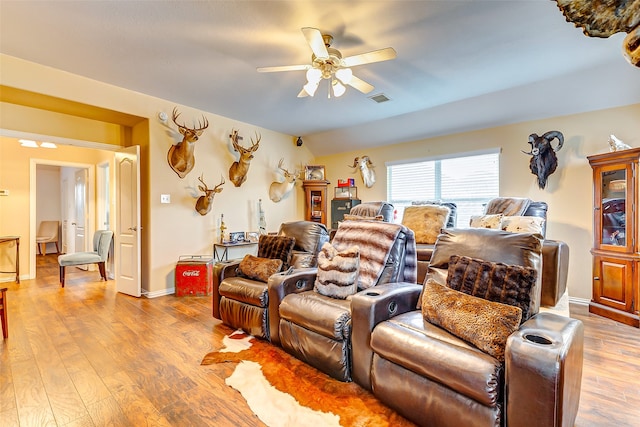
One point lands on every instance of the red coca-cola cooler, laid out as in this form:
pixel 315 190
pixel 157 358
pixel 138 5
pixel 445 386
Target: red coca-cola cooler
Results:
pixel 194 276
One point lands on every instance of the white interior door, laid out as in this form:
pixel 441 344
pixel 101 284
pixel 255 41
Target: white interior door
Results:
pixel 128 229
pixel 81 210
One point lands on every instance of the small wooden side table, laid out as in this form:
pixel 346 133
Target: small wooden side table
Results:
pixel 8 239
pixel 224 247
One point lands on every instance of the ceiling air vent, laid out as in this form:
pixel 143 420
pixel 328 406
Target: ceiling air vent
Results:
pixel 380 98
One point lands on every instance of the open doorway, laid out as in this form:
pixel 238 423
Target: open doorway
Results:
pixel 72 201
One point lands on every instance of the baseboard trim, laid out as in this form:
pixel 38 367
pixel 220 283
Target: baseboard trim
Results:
pixel 161 293
pixel 579 301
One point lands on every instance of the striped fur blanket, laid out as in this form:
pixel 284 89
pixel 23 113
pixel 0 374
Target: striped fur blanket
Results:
pixel 375 240
pixel 508 206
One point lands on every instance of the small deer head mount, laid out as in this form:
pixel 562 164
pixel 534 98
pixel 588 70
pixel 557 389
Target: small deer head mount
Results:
pixel 543 156
pixel 366 170
pixel 204 202
pixel 278 190
pixel 180 156
pixel 238 170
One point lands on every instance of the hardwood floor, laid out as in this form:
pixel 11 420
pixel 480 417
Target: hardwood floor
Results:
pixel 88 356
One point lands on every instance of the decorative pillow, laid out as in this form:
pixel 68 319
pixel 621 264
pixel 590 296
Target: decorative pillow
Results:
pixel 276 247
pixel 259 268
pixel 485 324
pixel 486 221
pixel 350 217
pixel 337 271
pixel 493 281
pixel 426 221
pixel 523 224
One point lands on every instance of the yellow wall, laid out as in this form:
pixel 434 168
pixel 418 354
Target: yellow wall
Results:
pixel 568 191
pixel 172 230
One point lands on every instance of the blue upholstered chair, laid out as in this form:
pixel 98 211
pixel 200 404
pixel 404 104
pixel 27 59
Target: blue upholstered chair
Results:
pixel 101 243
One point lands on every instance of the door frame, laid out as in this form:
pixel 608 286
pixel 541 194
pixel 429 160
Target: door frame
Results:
pixel 90 196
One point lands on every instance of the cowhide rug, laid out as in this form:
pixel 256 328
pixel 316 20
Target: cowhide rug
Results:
pixel 283 391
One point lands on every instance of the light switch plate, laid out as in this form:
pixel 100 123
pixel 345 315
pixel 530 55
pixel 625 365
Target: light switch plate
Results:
pixel 165 198
pixel 4 192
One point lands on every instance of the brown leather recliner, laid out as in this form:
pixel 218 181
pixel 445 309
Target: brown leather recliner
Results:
pixel 242 302
pixel 316 328
pixel 434 378
pixel 555 255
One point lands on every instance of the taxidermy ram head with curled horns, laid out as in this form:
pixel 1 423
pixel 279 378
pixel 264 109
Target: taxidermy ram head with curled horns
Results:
pixel 544 161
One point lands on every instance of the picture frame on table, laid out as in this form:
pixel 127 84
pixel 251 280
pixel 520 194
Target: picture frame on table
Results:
pixel 236 237
pixel 314 173
pixel 252 236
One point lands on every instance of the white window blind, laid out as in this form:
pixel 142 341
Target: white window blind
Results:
pixel 468 180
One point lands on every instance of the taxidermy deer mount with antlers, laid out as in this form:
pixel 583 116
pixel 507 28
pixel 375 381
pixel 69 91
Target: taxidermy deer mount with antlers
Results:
pixel 278 190
pixel 366 170
pixel 180 156
pixel 204 202
pixel 238 170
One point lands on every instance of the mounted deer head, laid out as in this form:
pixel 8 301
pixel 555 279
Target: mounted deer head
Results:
pixel 204 203
pixel 180 156
pixel 278 190
pixel 366 170
pixel 238 170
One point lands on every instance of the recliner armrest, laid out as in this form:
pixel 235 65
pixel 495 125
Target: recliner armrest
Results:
pixel 221 270
pixel 555 269
pixel 370 307
pixel 282 284
pixel 543 371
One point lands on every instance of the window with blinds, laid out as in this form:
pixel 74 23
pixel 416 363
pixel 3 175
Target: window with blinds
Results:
pixel 469 180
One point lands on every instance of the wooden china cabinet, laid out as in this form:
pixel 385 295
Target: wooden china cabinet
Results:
pixel 315 200
pixel 616 252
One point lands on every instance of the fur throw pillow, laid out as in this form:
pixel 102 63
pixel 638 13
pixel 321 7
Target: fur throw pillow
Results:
pixel 426 221
pixel 493 281
pixel 337 271
pixel 485 324
pixel 259 268
pixel 522 224
pixel 486 221
pixel 276 247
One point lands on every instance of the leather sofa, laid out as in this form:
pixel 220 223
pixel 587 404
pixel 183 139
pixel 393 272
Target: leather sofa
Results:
pixel 555 255
pixel 434 378
pixel 316 328
pixel 242 302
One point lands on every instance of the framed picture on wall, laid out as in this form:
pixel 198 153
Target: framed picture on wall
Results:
pixel 314 173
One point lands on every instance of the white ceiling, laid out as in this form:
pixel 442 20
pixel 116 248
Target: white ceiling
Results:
pixel 461 65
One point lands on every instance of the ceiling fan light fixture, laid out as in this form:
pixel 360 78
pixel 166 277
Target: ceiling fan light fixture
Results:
pixel 338 88
pixel 344 75
pixel 311 88
pixel 314 75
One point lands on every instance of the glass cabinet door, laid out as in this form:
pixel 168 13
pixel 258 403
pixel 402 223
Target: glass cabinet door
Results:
pixel 613 209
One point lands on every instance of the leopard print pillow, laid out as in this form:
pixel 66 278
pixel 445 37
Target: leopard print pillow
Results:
pixel 485 324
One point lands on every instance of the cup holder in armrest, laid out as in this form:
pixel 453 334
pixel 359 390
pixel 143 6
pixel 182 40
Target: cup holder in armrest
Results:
pixel 538 339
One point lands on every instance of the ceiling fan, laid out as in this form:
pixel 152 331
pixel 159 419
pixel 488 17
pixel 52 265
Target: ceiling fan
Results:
pixel 328 63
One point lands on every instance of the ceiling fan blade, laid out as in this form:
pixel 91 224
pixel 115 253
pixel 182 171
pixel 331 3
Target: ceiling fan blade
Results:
pixel 360 84
pixel 314 38
pixel 369 57
pixel 283 68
